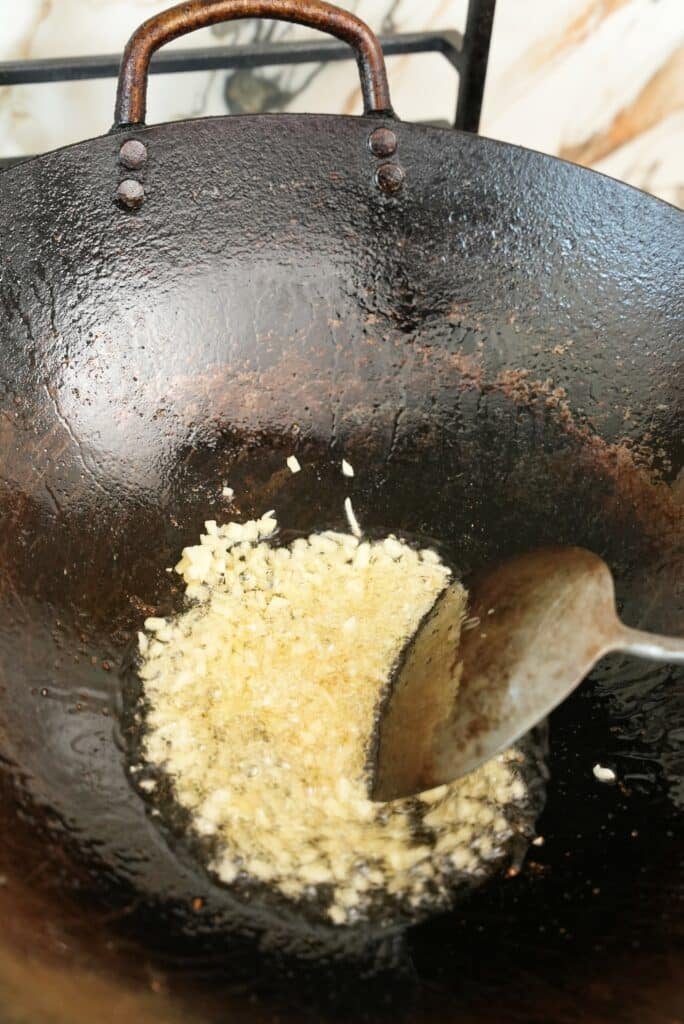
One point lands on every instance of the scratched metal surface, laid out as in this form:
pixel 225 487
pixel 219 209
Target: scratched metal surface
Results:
pixel 497 349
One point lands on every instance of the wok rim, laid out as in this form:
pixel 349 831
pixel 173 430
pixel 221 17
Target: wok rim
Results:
pixel 288 118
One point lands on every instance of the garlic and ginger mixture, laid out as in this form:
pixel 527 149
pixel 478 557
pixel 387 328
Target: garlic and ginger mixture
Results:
pixel 261 702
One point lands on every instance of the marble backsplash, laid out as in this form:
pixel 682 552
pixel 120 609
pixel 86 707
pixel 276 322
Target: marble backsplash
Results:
pixel 599 82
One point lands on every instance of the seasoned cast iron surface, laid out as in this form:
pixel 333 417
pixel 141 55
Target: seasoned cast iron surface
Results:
pixel 497 352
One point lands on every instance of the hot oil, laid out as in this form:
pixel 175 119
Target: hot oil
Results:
pixel 515 811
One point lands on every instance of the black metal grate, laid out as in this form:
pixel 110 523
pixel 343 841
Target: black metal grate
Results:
pixel 468 52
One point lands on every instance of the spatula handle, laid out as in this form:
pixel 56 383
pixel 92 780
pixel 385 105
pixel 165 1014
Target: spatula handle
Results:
pixel 651 645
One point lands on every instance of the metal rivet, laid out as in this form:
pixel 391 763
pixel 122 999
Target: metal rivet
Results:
pixel 133 154
pixel 389 177
pixel 130 194
pixel 383 142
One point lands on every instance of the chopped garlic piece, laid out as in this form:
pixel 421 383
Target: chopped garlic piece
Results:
pixel 347 468
pixel 604 774
pixel 292 463
pixel 228 492
pixel 351 518
pixel 154 625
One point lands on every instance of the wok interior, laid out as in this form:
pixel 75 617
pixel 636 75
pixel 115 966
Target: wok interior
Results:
pixel 503 473
pixel 122 421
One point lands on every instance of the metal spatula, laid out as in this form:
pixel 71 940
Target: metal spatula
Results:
pixel 537 625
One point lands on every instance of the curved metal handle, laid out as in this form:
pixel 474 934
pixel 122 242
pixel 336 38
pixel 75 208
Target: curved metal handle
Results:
pixel 131 96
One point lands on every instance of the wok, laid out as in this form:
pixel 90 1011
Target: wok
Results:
pixel 492 337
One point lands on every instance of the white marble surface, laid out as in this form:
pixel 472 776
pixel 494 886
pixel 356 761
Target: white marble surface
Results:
pixel 596 81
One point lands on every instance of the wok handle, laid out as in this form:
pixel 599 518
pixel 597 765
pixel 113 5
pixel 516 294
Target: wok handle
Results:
pixel 131 99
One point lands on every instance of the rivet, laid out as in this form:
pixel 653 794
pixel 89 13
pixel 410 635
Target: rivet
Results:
pixel 133 154
pixel 130 194
pixel 383 142
pixel 389 177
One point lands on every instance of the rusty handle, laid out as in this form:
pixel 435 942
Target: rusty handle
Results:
pixel 131 98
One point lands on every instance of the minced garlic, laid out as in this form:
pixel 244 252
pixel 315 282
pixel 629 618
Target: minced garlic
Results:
pixel 262 698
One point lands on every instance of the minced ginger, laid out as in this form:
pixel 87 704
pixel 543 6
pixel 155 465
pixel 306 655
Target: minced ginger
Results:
pixel 262 699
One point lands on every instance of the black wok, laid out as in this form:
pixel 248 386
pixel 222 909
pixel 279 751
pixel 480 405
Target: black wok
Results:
pixel 493 338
